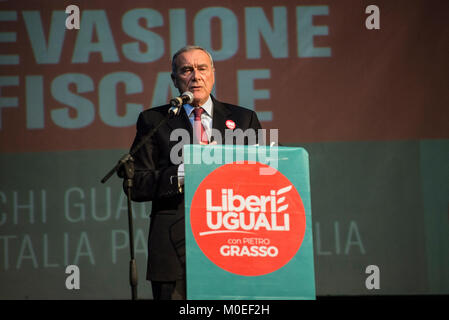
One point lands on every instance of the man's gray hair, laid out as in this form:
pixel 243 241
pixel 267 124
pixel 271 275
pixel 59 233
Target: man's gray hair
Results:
pixel 185 49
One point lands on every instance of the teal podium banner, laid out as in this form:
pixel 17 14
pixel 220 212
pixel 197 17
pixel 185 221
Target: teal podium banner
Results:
pixel 248 223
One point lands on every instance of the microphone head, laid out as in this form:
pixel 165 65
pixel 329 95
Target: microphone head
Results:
pixel 189 97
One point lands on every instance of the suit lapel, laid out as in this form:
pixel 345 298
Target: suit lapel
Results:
pixel 181 121
pixel 221 114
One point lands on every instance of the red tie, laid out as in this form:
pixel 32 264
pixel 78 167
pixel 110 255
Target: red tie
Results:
pixel 198 126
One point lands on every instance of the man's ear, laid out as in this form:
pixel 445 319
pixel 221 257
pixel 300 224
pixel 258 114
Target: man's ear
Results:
pixel 173 78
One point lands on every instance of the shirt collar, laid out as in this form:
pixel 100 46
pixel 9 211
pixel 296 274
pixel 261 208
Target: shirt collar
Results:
pixel 207 106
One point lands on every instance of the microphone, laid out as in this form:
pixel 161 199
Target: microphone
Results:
pixel 186 97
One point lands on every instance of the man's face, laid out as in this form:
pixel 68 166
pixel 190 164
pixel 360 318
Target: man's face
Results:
pixel 194 73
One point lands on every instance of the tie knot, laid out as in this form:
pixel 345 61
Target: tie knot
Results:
pixel 198 111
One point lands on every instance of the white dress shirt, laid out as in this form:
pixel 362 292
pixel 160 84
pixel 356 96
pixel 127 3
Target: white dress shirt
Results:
pixel 206 117
pixel 206 120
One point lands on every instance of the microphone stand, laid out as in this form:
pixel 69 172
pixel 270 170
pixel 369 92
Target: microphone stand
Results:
pixel 125 169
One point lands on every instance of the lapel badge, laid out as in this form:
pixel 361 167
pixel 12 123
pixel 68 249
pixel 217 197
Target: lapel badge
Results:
pixel 230 124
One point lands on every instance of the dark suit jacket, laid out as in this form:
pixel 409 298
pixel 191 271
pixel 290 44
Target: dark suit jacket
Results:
pixel 155 180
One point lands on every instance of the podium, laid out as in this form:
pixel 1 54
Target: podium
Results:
pixel 248 223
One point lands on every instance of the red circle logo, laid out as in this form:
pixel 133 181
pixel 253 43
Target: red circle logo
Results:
pixel 230 124
pixel 252 226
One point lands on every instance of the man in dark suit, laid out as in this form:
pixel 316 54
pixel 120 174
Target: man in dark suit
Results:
pixel 158 179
